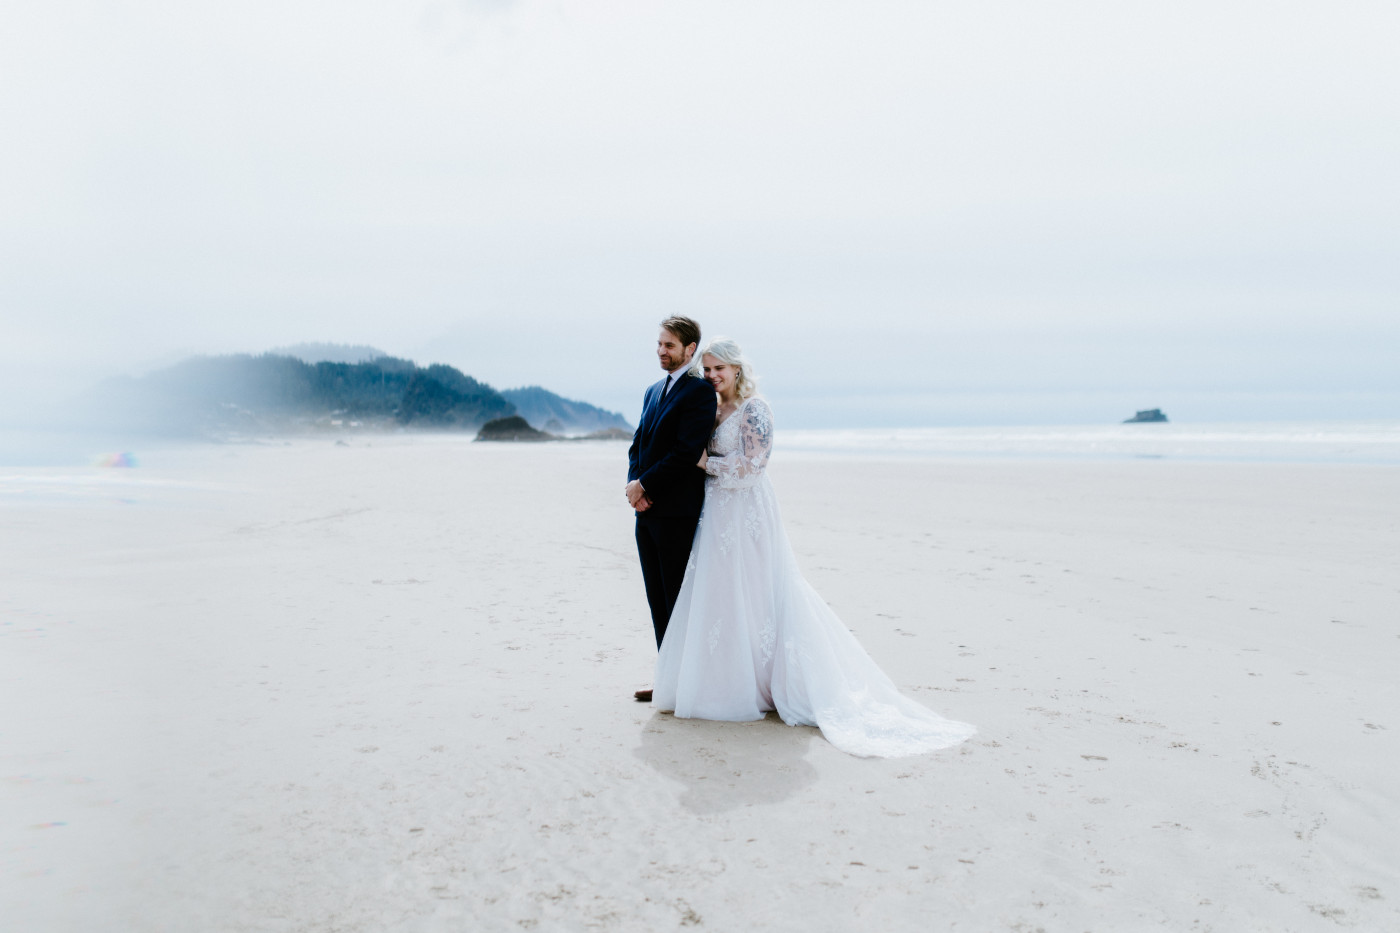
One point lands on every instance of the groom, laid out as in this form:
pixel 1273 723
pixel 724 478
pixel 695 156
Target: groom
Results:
pixel 664 485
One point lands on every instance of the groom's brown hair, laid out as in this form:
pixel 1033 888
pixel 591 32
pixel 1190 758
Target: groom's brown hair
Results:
pixel 686 330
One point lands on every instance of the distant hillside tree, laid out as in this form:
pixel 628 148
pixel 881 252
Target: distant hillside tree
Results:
pixel 330 352
pixel 440 396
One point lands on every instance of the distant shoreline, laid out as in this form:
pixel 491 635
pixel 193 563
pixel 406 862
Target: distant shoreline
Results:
pixel 1368 442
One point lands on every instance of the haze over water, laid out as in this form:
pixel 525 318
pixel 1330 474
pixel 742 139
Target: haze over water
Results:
pixel 1372 442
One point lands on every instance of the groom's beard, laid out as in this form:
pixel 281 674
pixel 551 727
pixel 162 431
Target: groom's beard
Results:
pixel 669 364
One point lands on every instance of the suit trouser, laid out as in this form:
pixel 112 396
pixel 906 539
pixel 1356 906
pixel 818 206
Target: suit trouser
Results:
pixel 663 544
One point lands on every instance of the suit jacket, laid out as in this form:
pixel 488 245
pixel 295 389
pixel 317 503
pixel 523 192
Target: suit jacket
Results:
pixel 671 435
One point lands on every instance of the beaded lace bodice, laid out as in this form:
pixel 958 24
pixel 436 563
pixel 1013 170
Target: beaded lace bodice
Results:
pixel 741 445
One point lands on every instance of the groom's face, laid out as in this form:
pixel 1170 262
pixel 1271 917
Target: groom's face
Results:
pixel 670 352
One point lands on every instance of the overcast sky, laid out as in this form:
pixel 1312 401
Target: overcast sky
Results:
pixel 917 213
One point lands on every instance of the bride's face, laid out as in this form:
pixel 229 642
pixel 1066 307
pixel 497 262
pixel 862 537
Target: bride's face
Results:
pixel 719 373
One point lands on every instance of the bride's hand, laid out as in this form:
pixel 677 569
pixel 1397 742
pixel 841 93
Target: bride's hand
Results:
pixel 704 459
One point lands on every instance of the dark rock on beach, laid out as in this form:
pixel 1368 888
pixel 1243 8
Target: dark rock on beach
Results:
pixel 514 428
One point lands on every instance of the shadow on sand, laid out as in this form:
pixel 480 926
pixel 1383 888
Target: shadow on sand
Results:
pixel 724 765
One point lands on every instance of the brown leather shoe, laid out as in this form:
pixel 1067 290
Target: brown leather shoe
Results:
pixel 643 696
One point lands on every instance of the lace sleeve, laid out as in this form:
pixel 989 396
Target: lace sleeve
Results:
pixel 745 466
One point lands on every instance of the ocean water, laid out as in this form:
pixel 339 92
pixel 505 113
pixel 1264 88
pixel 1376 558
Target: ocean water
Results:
pixel 45 472
pixel 1368 442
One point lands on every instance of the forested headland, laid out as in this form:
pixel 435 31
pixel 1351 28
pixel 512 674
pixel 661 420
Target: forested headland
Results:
pixel 271 393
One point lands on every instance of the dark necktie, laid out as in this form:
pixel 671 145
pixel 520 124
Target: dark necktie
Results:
pixel 667 387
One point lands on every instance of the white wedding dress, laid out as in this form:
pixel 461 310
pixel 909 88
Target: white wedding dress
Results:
pixel 748 634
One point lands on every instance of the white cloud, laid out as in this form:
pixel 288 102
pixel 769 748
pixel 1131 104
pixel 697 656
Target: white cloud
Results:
pixel 868 175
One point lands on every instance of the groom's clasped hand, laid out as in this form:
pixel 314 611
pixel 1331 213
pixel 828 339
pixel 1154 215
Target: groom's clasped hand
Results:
pixel 636 498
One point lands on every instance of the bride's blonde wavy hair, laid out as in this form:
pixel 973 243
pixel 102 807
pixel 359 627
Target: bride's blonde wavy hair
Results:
pixel 727 351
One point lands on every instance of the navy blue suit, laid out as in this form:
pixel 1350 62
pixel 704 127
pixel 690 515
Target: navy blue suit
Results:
pixel 671 435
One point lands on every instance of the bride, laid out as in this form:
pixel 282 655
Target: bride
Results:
pixel 748 634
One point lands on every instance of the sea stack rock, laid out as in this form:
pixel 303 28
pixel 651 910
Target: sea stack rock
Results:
pixel 1150 414
pixel 514 428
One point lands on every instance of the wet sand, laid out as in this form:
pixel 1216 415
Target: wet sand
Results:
pixel 386 686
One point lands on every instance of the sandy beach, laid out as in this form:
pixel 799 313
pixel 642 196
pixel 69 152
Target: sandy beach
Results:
pixel 386 685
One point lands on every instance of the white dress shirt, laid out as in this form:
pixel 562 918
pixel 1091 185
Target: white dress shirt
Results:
pixel 671 380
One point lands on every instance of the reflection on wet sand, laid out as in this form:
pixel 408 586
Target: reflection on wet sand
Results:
pixel 724 765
